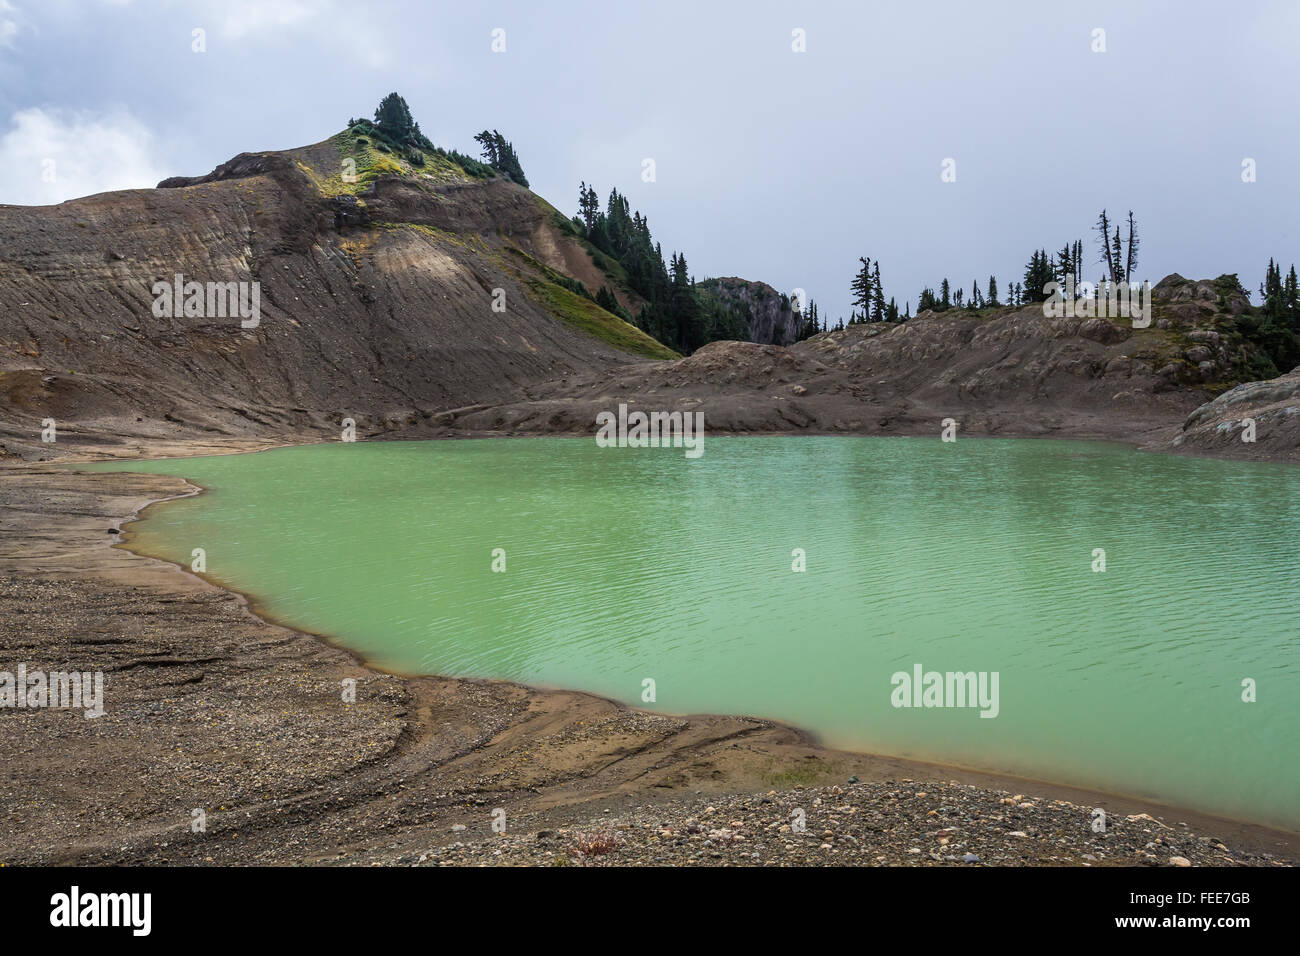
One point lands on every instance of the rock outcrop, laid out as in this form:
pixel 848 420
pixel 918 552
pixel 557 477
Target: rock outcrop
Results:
pixel 766 312
pixel 1255 420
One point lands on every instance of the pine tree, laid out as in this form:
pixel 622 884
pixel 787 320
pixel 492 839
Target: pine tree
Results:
pixel 877 295
pixel 1271 291
pixel 501 156
pixel 393 118
pixel 810 325
pixel 1065 262
pixel 607 300
pixel 488 144
pixel 1038 273
pixel 945 300
pixel 993 293
pixel 588 206
pixel 861 288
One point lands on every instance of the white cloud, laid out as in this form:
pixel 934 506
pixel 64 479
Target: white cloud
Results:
pixel 9 21
pixel 48 156
pixel 239 18
pixel 322 25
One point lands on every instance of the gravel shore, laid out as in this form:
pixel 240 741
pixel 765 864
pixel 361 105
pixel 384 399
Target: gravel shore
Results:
pixel 893 823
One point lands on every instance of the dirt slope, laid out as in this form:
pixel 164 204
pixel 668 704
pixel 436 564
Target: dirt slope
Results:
pixel 1017 373
pixel 376 303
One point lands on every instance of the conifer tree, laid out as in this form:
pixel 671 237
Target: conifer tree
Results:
pixel 501 156
pixel 1065 262
pixel 588 206
pixel 393 118
pixel 1038 273
pixel 862 288
pixel 877 295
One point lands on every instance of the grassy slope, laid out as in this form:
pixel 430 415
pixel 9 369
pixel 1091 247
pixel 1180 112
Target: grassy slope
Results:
pixel 586 316
pixel 581 313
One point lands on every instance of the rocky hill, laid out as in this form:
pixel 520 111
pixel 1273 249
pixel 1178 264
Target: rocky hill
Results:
pixel 765 312
pixel 377 279
pixel 1009 371
pixel 417 293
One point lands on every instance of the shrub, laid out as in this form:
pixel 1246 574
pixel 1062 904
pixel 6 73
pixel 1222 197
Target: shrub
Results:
pixel 596 842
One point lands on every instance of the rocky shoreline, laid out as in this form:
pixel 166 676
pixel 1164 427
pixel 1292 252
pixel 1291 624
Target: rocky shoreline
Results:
pixel 893 823
pixel 216 715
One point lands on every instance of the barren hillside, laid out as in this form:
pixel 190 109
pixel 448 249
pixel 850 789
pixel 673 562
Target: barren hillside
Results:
pixel 376 301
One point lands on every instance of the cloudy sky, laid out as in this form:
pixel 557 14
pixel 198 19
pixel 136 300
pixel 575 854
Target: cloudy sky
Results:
pixel 769 163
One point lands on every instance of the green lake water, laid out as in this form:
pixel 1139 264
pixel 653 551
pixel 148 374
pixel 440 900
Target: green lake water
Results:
pixel 628 564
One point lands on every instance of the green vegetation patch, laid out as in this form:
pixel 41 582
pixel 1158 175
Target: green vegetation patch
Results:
pixel 464 240
pixel 586 316
pixel 804 774
pixel 364 155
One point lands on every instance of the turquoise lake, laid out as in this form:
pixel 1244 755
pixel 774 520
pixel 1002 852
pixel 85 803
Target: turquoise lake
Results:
pixel 627 565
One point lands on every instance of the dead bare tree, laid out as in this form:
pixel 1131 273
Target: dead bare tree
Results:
pixel 1130 268
pixel 1108 257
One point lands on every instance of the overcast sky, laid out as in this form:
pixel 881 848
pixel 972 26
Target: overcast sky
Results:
pixel 770 164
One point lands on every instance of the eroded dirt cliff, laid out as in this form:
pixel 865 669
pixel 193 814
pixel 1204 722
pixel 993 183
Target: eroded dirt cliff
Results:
pixel 376 303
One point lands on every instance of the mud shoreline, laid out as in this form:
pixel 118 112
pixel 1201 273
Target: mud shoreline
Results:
pixel 212 708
